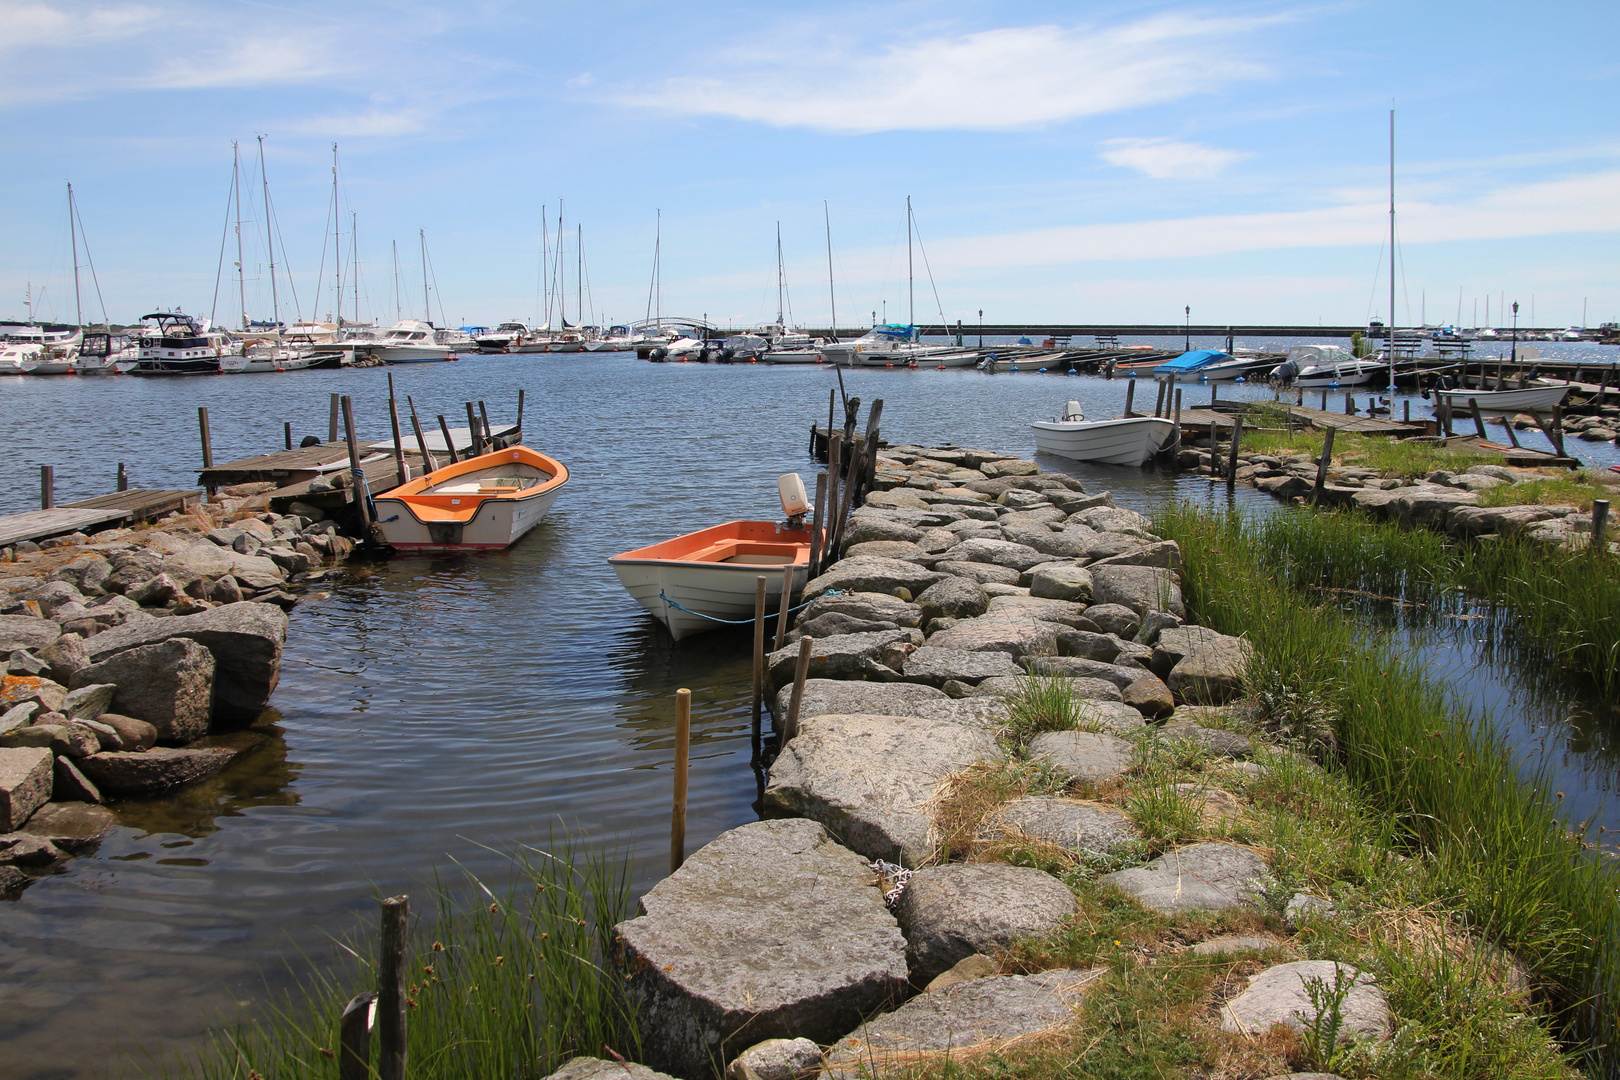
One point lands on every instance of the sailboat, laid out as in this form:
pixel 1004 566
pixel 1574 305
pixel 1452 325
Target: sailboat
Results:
pixel 890 344
pixel 787 345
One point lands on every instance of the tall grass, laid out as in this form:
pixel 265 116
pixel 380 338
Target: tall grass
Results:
pixel 1519 876
pixel 1392 457
pixel 508 982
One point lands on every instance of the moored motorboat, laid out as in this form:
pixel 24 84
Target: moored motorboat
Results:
pixel 700 580
pixel 1530 399
pixel 481 503
pixel 1131 440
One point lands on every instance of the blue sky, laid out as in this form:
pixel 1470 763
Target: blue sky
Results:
pixel 1068 162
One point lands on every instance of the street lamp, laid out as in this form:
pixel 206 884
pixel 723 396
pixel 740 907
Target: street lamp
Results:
pixel 1515 331
pixel 1187 342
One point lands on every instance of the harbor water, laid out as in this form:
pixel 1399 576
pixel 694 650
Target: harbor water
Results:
pixel 433 710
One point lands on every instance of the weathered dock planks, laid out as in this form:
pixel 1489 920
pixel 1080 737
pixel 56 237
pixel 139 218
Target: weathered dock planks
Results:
pixel 115 509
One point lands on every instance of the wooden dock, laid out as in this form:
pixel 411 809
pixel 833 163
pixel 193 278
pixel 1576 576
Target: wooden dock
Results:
pixel 1303 416
pixel 118 508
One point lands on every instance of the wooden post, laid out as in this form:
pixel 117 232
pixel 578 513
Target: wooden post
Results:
pixel 816 522
pixel 759 644
pixel 1406 411
pixel 1212 395
pixel 123 477
pixel 1600 525
pixel 868 475
pixel 832 399
pixel 1558 429
pixel 1232 460
pixel 1479 420
pixel 1513 436
pixel 489 432
pixel 800 671
pixel 782 608
pixel 1323 466
pixel 835 456
pixel 332 421
pixel 47 486
pixel 207 442
pixel 1324 401
pixel 354 1037
pixel 286 434
pixel 354 469
pixel 449 443
pixel 1178 420
pixel 428 464
pixel 399 443
pixel 846 497
pixel 520 415
pixel 1445 417
pixel 1158 401
pixel 1169 395
pixel 477 435
pixel 1349 404
pixel 1130 396
pixel 391 989
pixel 683 742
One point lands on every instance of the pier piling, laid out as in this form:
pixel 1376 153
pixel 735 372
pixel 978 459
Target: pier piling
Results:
pixel 356 486
pixel 47 486
pixel 801 671
pixel 286 434
pixel 683 743
pixel 428 464
pixel 399 443
pixel 354 1037
pixel 332 419
pixel 759 644
pixel 1232 460
pixel 449 444
pixel 782 608
pixel 1600 525
pixel 816 522
pixel 123 477
pixel 1323 465
pixel 391 987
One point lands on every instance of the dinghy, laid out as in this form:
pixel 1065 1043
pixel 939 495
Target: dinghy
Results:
pixel 706 578
pixel 1131 440
pixel 1530 399
pixel 481 503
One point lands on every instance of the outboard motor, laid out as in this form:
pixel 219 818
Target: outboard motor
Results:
pixel 1072 413
pixel 795 503
pixel 659 355
pixel 1285 372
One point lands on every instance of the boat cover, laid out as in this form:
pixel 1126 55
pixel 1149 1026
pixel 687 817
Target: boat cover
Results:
pixel 1192 361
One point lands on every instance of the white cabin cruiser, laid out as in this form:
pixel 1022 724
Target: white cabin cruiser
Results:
pixel 506 336
pixel 411 341
pixel 181 344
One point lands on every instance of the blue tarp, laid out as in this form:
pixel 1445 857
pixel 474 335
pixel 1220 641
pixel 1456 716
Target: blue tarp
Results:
pixel 1191 361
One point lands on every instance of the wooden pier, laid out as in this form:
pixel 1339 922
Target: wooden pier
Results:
pixel 103 511
pixel 1303 416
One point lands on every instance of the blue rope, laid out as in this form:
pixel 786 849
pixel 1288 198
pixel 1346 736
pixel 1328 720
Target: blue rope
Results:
pixel 739 622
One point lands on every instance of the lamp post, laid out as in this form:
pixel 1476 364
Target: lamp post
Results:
pixel 1515 331
pixel 981 328
pixel 1187 342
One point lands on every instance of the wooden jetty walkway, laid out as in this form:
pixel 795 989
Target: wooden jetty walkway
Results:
pixel 118 508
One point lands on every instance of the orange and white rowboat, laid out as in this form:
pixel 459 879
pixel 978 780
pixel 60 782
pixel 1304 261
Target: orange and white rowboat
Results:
pixel 486 502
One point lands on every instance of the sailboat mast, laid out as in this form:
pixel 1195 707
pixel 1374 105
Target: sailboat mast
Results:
pixel 398 315
pixel 269 238
pixel 832 297
pixel 1391 329
pixel 779 274
pixel 562 272
pixel 354 259
pixel 911 281
pixel 579 272
pixel 545 262
pixel 337 243
pixel 73 234
pixel 427 308
pixel 236 189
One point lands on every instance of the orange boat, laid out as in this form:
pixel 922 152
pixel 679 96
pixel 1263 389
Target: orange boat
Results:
pixel 697 581
pixel 486 502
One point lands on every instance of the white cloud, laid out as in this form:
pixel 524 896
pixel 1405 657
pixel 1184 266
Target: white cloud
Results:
pixel 1013 77
pixel 1167 159
pixel 30 25
pixel 373 123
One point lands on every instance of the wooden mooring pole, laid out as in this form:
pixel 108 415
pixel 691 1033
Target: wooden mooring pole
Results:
pixel 801 671
pixel 391 988
pixel 782 608
pixel 449 443
pixel 47 486
pixel 1130 396
pixel 332 420
pixel 683 743
pixel 356 485
pixel 399 443
pixel 286 434
pixel 1232 459
pixel 1600 525
pixel 477 435
pixel 428 464
pixel 354 1037
pixel 123 477
pixel 1323 465
pixel 759 644
pixel 816 523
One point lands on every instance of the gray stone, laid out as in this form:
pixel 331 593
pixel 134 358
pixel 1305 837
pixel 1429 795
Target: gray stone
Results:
pixel 1225 946
pixel 1065 823
pixel 88 700
pixel 589 1068
pixel 772 930
pixel 1302 907
pixel 842 656
pixel 865 607
pixel 1113 519
pixel 1054 611
pixel 70 785
pixel 865 529
pixel 1281 995
pixel 53 596
pixel 1077 667
pixel 1428 504
pixel 131 569
pixel 950 912
pixel 135 734
pixel 26 663
pixel 937 541
pixel 26 632
pixel 1214 741
pixel 935 666
pixel 953 598
pixel 1165 554
pixel 872 779
pixel 988 713
pixel 25 783
pixel 245 640
pixel 840 696
pixel 889 549
pixel 984 573
pixel 997 552
pixel 74 826
pixel 206 561
pixel 1176 642
pixel 1038 514
pixel 1115 619
pixel 1201 877
pixel 977 966
pixel 13 880
pixel 966 1020
pixel 1015 635
pixel 18 716
pixel 169 684
pixel 65 656
pixel 777 1059
pixel 994 590
pixel 1089 757
pixel 1154 623
pixel 1149 696
pixel 1061 581
pixel 139 775
pixel 872 575
pixel 1212 673
pixel 1084 689
pixel 25 849
pixel 19 689
pixel 155 592
pixel 1140 588
pixel 899 499
pixel 225 591
pixel 106 735
pixel 1090 645
pixel 835 624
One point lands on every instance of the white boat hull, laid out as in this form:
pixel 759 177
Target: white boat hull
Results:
pixel 718 590
pixel 499 523
pixel 1530 399
pixel 1130 441
pixel 1355 373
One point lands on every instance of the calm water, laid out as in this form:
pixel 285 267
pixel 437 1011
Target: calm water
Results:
pixel 432 706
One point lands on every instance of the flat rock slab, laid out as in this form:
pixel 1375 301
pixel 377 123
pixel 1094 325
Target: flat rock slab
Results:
pixel 770 931
pixel 871 780
pixel 1140 588
pixel 1214 740
pixel 840 696
pixel 950 912
pixel 870 574
pixel 27 632
pixel 843 656
pixel 974 1017
pixel 981 712
pixel 1234 943
pixel 1082 689
pixel 1201 877
pixel 589 1068
pixel 1089 757
pixel 1069 824
pixel 983 573
pixel 73 826
pixel 1016 635
pixel 934 666
pixel 121 773
pixel 25 783
pixel 1281 995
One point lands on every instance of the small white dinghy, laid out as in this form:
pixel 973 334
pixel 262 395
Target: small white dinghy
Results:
pixel 1530 399
pixel 1131 440
pixel 482 503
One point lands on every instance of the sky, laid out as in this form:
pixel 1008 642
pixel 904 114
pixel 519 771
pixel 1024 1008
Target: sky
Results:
pixel 1066 162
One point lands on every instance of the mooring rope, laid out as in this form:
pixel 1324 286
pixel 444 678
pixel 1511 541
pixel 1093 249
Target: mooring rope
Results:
pixel 738 622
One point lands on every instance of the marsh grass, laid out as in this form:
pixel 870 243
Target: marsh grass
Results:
pixel 506 981
pixel 1392 457
pixel 1043 703
pixel 1571 490
pixel 1448 785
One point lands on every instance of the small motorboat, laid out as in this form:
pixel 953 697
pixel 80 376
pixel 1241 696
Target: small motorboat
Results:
pixel 706 578
pixel 1130 440
pixel 481 503
pixel 1530 399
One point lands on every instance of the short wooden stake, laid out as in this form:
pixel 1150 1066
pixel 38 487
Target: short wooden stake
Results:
pixel 1600 524
pixel 782 608
pixel 1232 459
pixel 835 459
pixel 801 670
pixel 520 415
pixel 1158 402
pixel 449 443
pixel 286 434
pixel 1178 420
pixel 391 989
pixel 489 432
pixel 207 441
pixel 1558 429
pixel 683 742
pixel 816 523
pixel 399 443
pixel 123 477
pixel 1324 401
pixel 1349 404
pixel 477 434
pixel 47 486
pixel 1323 466
pixel 1406 411
pixel 332 422
pixel 357 491
pixel 354 1037
pixel 1479 419
pixel 1130 396
pixel 759 644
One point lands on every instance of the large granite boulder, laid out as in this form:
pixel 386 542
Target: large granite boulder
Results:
pixel 1111 619
pixel 963 1021
pixel 889 549
pixel 865 529
pixel 1016 635
pixel 1201 877
pixel 26 632
pixel 1069 824
pixel 936 666
pixel 25 783
pixel 1086 756
pixel 1212 673
pixel 1429 504
pixel 872 779
pixel 72 826
pixel 1281 995
pixel 1114 519
pixel 169 684
pixel 863 606
pixel 842 656
pixel 998 553
pixel 867 574
pixel 1176 642
pixel 983 573
pixel 141 775
pixel 1061 581
pixel 1164 553
pixel 772 930
pixel 1083 690
pixel 1140 588
pixel 953 598
pixel 64 657
pixel 842 696
pixel 1065 612
pixel 950 912
pixel 1078 667
pixel 589 1068
pixel 211 561
pixel 777 1059
pixel 245 640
